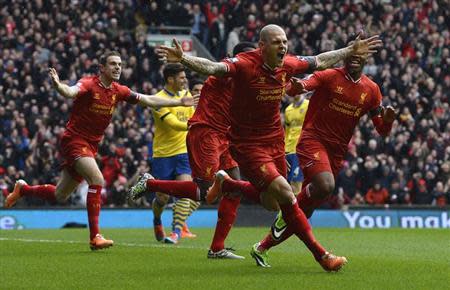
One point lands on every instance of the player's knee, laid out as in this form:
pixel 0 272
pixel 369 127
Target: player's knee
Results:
pixel 95 179
pixel 282 191
pixel 324 188
pixel 61 195
pixel 203 186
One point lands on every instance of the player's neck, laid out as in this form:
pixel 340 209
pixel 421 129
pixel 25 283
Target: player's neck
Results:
pixel 106 82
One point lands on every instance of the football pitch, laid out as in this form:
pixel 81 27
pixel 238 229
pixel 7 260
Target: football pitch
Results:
pixel 378 259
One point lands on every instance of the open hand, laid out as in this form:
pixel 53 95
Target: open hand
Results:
pixel 53 76
pixel 296 87
pixel 188 101
pixel 170 54
pixel 365 47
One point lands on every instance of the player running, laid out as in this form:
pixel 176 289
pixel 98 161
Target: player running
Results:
pixel 257 137
pixel 170 159
pixel 341 97
pixel 95 99
pixel 208 150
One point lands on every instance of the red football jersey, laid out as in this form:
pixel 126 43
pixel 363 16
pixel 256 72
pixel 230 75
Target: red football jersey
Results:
pixel 94 105
pixel 258 90
pixel 337 104
pixel 214 105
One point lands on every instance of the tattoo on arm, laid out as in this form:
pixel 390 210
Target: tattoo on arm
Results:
pixel 328 59
pixel 204 66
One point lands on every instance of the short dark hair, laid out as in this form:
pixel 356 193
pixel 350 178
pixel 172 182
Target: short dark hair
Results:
pixel 195 82
pixel 243 46
pixel 104 57
pixel 172 69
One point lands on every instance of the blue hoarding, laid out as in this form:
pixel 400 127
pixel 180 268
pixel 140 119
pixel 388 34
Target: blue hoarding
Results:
pixel 141 218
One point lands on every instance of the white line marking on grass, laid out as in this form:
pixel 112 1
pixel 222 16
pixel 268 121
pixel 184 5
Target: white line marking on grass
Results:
pixel 24 240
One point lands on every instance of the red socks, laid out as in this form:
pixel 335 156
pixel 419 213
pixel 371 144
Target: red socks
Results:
pixel 93 205
pixel 180 189
pixel 244 187
pixel 297 221
pixel 226 217
pixel 46 191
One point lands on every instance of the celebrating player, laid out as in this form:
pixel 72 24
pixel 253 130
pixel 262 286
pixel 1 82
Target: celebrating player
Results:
pixel 257 138
pixel 208 152
pixel 95 99
pixel 341 97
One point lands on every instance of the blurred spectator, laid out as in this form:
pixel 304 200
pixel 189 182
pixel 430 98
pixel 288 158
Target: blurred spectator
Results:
pixel 377 195
pixel 441 195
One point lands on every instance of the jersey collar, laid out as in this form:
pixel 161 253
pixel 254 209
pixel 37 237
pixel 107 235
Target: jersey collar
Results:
pixel 169 93
pixel 349 77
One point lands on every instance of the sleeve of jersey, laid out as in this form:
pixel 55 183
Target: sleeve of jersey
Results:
pixel 382 127
pixel 128 95
pixel 302 64
pixel 83 87
pixel 233 64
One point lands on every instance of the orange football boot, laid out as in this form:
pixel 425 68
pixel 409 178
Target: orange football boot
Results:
pixel 332 263
pixel 99 242
pixel 186 233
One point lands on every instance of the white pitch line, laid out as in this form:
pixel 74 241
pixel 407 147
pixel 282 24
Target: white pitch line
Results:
pixel 115 244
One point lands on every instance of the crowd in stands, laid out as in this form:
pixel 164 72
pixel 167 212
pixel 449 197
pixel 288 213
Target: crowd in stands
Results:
pixel 411 166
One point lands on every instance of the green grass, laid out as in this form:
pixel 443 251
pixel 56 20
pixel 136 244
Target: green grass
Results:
pixel 378 259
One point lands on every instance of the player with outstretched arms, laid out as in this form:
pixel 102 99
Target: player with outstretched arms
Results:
pixel 95 99
pixel 341 97
pixel 257 137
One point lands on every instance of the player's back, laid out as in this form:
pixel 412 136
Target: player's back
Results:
pixel 214 105
pixel 337 104
pixel 167 141
pixel 294 115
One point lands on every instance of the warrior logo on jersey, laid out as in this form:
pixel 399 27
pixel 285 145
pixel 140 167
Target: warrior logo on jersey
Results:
pixel 233 59
pixel 113 97
pixel 362 98
pixel 283 78
pixel 261 80
pixel 316 156
pixel 339 90
pixel 96 96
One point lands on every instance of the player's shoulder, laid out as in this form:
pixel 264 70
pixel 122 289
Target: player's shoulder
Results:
pixel 162 93
pixel 89 80
pixel 366 80
pixel 119 87
pixel 184 93
pixel 245 57
pixel 289 107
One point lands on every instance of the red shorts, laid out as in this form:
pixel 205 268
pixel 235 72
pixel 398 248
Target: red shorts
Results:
pixel 260 163
pixel 316 157
pixel 208 151
pixel 74 147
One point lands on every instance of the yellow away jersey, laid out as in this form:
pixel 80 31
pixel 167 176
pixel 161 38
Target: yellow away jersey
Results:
pixel 294 117
pixel 168 142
